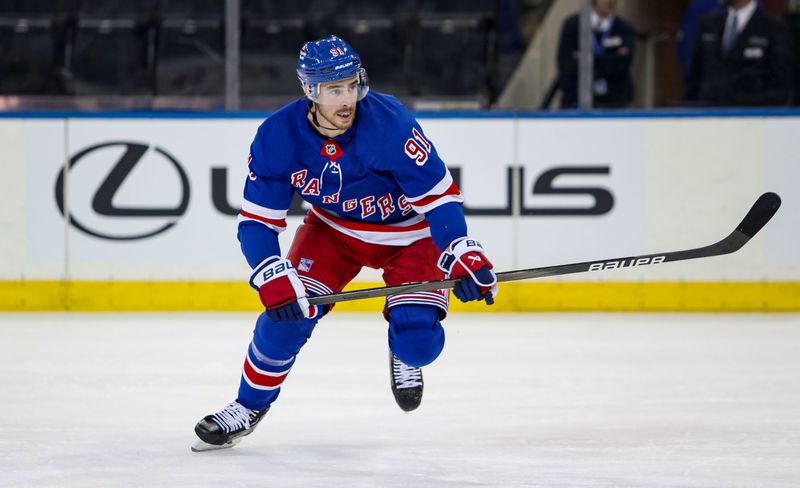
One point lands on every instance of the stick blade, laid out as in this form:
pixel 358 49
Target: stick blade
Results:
pixel 758 216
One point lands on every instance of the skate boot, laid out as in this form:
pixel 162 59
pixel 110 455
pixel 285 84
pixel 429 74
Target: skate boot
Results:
pixel 406 383
pixel 227 427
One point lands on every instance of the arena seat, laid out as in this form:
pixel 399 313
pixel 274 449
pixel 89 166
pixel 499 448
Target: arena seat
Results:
pixel 190 52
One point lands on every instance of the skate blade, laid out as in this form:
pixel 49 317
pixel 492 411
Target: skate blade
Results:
pixel 201 446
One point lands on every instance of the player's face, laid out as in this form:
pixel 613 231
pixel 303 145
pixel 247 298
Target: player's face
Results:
pixel 336 102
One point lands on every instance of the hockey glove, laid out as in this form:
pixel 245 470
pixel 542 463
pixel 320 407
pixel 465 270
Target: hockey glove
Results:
pixel 280 290
pixel 466 260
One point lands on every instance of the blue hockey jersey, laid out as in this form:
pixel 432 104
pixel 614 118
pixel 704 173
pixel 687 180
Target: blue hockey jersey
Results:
pixel 374 182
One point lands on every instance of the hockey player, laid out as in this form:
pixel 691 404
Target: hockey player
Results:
pixel 381 197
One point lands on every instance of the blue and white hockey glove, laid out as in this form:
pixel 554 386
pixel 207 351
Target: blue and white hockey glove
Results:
pixel 466 260
pixel 280 290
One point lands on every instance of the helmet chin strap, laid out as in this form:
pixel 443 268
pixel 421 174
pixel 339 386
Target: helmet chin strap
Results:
pixel 314 118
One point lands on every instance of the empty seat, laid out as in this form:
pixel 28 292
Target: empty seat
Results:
pixel 283 10
pixel 361 9
pixel 269 57
pixel 140 10
pixel 32 45
pixel 111 48
pixel 190 58
pixel 320 10
pixel 36 8
pixel 28 56
pixel 451 57
pixel 193 9
pixel 449 7
pixel 110 57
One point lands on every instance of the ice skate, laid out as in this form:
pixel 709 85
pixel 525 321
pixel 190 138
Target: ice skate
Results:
pixel 226 428
pixel 406 383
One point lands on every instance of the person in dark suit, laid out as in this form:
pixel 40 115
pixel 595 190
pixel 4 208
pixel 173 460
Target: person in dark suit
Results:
pixel 694 13
pixel 613 46
pixel 742 57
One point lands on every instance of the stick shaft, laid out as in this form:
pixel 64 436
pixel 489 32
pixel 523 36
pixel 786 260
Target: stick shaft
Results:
pixel 760 213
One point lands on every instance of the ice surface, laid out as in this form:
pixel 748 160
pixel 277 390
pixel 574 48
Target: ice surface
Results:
pixel 110 400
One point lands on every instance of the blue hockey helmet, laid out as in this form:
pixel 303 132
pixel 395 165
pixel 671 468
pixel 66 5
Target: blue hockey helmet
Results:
pixel 327 60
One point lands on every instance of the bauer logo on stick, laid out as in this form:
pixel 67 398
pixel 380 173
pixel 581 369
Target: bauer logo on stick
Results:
pixel 626 263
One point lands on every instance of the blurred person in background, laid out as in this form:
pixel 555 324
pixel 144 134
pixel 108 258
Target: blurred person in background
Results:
pixel 742 57
pixel 381 197
pixel 613 42
pixel 694 13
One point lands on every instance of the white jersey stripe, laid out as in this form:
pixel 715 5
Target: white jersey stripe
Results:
pixel 317 287
pixel 439 201
pixel 277 228
pixel 267 213
pixel 392 238
pixel 437 189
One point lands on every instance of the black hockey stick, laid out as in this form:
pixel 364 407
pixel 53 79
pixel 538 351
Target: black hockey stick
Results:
pixel 763 210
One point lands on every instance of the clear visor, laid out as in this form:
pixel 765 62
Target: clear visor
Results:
pixel 340 92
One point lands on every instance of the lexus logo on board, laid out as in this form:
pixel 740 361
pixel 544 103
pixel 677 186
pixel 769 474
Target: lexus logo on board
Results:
pixel 157 219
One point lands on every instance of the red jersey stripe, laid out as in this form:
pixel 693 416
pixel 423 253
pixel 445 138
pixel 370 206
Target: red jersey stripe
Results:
pixel 452 190
pixel 275 222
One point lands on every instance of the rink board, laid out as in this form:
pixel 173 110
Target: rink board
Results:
pixel 515 297
pixel 138 212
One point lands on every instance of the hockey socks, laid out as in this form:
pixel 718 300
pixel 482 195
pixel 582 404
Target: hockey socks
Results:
pixel 262 378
